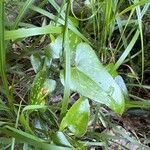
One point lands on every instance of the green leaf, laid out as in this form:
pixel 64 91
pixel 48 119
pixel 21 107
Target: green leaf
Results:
pixel 22 12
pixel 110 69
pixel 88 63
pixel 127 50
pixel 23 33
pixel 41 87
pixel 55 47
pixel 73 39
pixel 92 80
pixel 119 80
pixel 77 117
pixel 60 139
pixel 36 95
pixel 49 86
pixel 36 62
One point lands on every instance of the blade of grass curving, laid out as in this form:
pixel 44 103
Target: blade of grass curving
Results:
pixel 67 54
pixel 26 25
pixel 59 10
pixel 28 109
pixel 146 7
pixel 3 57
pixel 30 139
pixel 133 56
pixel 127 50
pixel 122 32
pixel 137 98
pixel 23 33
pixel 129 138
pixel 23 10
pixel 107 8
pixel 142 2
pixel 140 86
pixel 120 26
pixel 94 12
pixel 93 143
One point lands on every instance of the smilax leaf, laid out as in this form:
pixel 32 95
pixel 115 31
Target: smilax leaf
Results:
pixel 89 65
pixel 84 85
pixel 77 117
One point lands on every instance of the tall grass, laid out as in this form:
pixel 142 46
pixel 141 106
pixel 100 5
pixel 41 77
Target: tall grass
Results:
pixel 66 51
pixel 7 90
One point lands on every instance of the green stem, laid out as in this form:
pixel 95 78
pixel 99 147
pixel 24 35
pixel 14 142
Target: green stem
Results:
pixel 66 51
pixel 3 57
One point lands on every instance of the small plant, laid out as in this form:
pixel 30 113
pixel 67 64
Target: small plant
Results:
pixel 81 57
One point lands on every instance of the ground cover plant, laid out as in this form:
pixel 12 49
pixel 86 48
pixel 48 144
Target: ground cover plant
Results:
pixel 74 74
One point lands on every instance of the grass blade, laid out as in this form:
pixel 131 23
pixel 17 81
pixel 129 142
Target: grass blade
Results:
pixel 62 22
pixel 22 12
pixel 127 50
pixel 67 54
pixel 3 56
pixel 23 33
pixel 139 19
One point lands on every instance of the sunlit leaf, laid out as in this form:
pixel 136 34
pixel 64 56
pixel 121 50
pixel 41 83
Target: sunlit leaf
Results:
pixel 77 117
pixel 110 69
pixel 84 85
pixel 119 80
pixel 36 96
pixel 60 139
pixel 49 86
pixel 41 87
pixel 88 63
pixel 36 62
pixel 55 47
pixel 23 33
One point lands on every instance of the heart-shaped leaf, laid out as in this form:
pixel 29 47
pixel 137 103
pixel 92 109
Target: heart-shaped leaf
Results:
pixel 84 85
pixel 88 63
pixel 77 117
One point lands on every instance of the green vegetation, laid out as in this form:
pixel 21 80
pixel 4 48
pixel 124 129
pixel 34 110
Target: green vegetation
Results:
pixel 74 73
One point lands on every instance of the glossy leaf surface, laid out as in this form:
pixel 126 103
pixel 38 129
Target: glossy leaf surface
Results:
pixel 77 117
pixel 60 139
pixel 36 90
pixel 119 80
pixel 84 85
pixel 88 63
pixel 49 86
pixel 41 87
pixel 56 47
pixel 92 80
pixel 36 62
